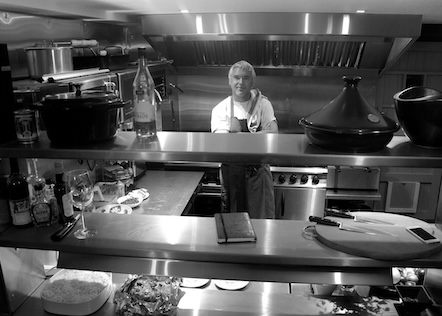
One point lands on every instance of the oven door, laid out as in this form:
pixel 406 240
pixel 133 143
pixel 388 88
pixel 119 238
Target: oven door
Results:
pixel 299 203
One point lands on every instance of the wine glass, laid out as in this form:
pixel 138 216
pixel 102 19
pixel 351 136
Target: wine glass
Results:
pixel 81 190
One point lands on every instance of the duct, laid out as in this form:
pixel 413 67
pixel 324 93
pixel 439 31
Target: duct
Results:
pixel 298 43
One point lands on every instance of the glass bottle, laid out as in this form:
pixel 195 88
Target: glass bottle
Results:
pixel 65 207
pixel 33 178
pixel 18 196
pixel 41 210
pixel 144 99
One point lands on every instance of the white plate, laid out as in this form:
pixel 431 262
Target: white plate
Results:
pixel 114 209
pixel 194 282
pixel 130 200
pixel 231 285
pixel 140 192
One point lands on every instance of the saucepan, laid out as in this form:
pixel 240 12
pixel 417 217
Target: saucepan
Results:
pixel 81 117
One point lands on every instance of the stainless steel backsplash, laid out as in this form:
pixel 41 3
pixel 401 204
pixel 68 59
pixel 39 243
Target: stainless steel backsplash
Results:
pixel 292 97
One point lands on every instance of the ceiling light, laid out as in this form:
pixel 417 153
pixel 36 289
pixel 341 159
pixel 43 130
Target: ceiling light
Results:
pixel 360 11
pixel 184 11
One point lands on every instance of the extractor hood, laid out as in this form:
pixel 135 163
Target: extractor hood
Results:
pixel 297 42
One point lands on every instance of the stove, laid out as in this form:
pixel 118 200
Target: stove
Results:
pixel 299 191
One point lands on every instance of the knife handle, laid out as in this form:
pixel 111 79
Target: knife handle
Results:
pixel 338 213
pixel 59 235
pixel 323 221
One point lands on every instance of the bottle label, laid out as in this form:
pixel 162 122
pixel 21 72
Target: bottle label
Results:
pixel 144 112
pixel 42 213
pixel 68 208
pixel 20 211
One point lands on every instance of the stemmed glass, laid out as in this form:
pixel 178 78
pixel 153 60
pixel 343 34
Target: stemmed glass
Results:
pixel 81 190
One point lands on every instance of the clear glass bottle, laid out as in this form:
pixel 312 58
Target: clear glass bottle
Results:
pixel 144 99
pixel 18 196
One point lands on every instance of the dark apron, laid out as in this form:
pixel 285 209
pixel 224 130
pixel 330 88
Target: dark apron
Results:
pixel 246 187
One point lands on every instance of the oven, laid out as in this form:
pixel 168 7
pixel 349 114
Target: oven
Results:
pixel 352 188
pixel 299 191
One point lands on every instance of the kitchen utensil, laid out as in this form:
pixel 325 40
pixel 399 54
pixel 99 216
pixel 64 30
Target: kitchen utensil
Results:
pixel 356 218
pixel 341 226
pixel 349 123
pixel 47 60
pixel 59 235
pixel 80 117
pixel 419 111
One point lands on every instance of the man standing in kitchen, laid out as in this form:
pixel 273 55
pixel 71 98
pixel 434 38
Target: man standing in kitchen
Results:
pixel 245 187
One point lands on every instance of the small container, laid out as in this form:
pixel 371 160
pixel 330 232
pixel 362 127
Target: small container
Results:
pixel 26 126
pixel 415 299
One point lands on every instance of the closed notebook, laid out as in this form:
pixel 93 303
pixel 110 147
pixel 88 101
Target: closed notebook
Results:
pixel 234 227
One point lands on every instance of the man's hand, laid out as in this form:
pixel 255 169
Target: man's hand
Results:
pixel 235 126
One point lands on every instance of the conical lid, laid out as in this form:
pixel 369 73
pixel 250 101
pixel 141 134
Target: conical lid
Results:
pixel 350 113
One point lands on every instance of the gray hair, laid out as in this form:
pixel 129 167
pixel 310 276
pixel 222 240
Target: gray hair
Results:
pixel 243 65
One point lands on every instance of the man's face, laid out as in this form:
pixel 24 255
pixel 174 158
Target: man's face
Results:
pixel 241 83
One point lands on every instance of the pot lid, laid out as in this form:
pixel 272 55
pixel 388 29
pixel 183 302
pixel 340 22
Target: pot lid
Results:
pixel 350 113
pixel 85 98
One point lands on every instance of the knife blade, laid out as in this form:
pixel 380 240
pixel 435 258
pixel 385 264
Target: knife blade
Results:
pixel 60 234
pixel 356 218
pixel 341 226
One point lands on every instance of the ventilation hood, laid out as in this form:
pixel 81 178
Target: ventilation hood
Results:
pixel 295 42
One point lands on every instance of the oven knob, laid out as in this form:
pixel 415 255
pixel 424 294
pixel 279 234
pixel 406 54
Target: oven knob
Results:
pixel 315 180
pixel 304 179
pixel 293 178
pixel 281 178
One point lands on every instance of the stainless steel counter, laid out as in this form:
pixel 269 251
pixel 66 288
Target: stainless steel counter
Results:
pixel 187 246
pixel 276 149
pixel 258 298
pixel 169 191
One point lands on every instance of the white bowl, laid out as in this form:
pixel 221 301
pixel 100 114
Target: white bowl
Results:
pixel 65 284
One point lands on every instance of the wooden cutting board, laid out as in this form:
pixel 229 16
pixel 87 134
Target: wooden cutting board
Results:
pixel 402 246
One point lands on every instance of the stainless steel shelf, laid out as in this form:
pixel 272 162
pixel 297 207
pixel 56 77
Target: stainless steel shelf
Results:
pixel 275 149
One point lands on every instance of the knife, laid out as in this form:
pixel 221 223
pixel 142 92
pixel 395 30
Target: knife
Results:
pixel 341 226
pixel 356 218
pixel 60 234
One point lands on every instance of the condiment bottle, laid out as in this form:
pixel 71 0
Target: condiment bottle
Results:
pixel 144 99
pixel 42 210
pixel 18 196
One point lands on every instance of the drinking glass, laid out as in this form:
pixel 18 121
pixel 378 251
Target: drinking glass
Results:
pixel 81 189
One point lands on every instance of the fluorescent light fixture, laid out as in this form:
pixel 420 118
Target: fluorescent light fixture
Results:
pixel 360 11
pixel 306 23
pixel 184 11
pixel 199 24
pixel 345 24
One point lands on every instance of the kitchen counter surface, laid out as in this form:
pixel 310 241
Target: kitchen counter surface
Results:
pixel 257 298
pixel 275 149
pixel 169 191
pixel 187 246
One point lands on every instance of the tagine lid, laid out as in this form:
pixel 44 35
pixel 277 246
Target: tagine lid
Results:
pixel 349 112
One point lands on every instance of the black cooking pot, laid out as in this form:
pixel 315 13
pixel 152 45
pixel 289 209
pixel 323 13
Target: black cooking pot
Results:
pixel 349 123
pixel 80 117
pixel 419 111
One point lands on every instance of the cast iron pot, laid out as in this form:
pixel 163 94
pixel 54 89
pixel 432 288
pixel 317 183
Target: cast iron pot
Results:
pixel 419 111
pixel 80 117
pixel 349 123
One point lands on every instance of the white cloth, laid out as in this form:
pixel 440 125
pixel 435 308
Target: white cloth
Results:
pixel 260 119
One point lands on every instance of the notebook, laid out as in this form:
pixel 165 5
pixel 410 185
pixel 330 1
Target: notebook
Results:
pixel 234 227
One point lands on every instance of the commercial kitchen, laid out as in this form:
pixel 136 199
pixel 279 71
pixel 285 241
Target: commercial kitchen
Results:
pixel 303 61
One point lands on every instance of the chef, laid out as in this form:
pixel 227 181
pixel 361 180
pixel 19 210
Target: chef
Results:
pixel 245 187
